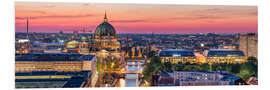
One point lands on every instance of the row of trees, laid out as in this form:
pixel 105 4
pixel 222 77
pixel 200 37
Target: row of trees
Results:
pixel 244 70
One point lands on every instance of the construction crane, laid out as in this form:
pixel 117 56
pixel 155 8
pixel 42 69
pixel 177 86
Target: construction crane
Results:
pixel 84 30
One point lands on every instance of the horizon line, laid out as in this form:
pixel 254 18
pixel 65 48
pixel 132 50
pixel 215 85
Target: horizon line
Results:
pixel 150 33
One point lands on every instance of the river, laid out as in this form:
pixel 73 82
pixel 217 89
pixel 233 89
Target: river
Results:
pixel 131 80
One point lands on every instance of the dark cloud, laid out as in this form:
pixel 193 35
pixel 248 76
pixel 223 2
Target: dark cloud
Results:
pixel 20 18
pixel 214 10
pixel 196 17
pixel 37 11
pixel 128 21
pixel 58 16
pixel 220 11
pixel 212 13
pixel 17 23
pixel 48 6
pixel 207 17
pixel 254 13
pixel 85 4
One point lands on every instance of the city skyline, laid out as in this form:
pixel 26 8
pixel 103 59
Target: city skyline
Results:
pixel 136 18
pixel 134 45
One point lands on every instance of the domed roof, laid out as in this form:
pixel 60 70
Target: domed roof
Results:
pixel 83 38
pixel 105 29
pixel 72 44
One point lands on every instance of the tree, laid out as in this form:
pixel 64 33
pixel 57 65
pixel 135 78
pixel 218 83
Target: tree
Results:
pixel 155 60
pixel 152 67
pixel 99 65
pixel 228 68
pixel 204 67
pixel 151 54
pixel 247 70
pixel 178 67
pixel 147 72
pixel 167 66
pixel 235 68
pixel 252 60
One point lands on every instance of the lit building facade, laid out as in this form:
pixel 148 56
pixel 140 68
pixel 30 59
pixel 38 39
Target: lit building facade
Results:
pixel 72 46
pixel 229 47
pixel 50 47
pixel 177 55
pixel 83 46
pixel 199 78
pixel 249 44
pixel 22 46
pixel 224 56
pixel 53 79
pixel 54 62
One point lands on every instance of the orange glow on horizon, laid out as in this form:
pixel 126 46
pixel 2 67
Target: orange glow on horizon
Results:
pixel 136 18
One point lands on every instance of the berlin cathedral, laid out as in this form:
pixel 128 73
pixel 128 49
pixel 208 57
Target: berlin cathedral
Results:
pixel 103 43
pixel 105 37
pixel 106 47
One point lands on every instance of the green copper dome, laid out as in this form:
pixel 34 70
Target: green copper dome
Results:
pixel 84 38
pixel 105 29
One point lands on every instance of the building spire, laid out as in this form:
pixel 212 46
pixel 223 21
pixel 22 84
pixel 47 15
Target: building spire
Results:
pixel 27 37
pixel 105 17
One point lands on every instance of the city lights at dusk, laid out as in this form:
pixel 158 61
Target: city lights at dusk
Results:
pixel 85 45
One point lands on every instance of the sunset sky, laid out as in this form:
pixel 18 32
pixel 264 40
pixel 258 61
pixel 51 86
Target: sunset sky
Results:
pixel 136 18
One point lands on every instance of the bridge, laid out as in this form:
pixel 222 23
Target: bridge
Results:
pixel 133 72
pixel 126 72
pixel 136 60
pixel 134 66
pixel 130 68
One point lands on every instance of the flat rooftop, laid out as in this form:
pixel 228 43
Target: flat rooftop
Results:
pixel 224 52
pixel 53 57
pixel 176 53
pixel 51 79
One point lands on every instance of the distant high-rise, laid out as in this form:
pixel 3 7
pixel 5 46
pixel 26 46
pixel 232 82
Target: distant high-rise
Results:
pixel 249 44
